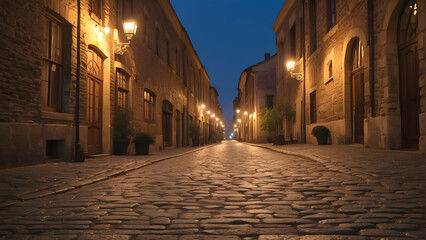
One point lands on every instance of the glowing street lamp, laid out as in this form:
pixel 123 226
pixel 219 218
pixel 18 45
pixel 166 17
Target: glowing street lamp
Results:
pixel 290 67
pixel 203 106
pixel 130 31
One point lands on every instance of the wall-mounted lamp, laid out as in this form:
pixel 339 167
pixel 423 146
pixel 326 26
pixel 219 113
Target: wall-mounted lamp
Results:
pixel 203 106
pixel 239 120
pixel 238 110
pixel 290 67
pixel 129 30
pixel 245 113
pixel 213 115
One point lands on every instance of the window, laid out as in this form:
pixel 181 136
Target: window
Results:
pixel 95 7
pixel 177 63
pixel 122 89
pixel 51 74
pixel 357 55
pixel 157 41
pixel 293 41
pixel 169 62
pixel 330 69
pixel 312 26
pixel 269 101
pixel 149 99
pixel 313 105
pixel 331 14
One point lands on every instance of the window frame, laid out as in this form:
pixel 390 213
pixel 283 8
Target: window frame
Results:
pixel 122 76
pixel 269 98
pixel 149 106
pixel 331 14
pixel 50 60
pixel 313 106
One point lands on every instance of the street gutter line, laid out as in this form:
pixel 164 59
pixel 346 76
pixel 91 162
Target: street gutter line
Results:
pixel 85 182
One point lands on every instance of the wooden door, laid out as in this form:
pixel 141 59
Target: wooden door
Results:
pixel 94 102
pixel 358 105
pixel 178 137
pixel 409 97
pixel 167 123
pixel 357 85
pixel 409 76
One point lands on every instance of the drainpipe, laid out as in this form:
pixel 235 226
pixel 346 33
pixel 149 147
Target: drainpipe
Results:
pixel 371 54
pixel 79 155
pixel 302 122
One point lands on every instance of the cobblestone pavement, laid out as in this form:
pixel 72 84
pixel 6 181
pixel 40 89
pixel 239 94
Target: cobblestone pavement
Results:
pixel 30 182
pixel 228 191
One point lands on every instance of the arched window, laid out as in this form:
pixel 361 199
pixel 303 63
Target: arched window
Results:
pixel 357 55
pixel 149 105
pixel 409 22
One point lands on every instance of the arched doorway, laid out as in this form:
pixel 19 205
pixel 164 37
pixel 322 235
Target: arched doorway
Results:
pixel 408 75
pixel 357 90
pixel 167 123
pixel 94 102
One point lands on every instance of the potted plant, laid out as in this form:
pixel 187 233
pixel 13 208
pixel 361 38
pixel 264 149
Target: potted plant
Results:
pixel 194 133
pixel 142 140
pixel 212 136
pixel 123 129
pixel 272 120
pixel 322 134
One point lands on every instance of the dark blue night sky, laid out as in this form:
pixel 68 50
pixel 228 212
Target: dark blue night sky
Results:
pixel 229 36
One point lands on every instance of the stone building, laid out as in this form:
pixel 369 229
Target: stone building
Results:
pixel 363 68
pixel 256 90
pixel 159 77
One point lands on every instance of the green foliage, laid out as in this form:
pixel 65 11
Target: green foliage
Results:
pixel 271 119
pixel 320 131
pixel 212 135
pixel 144 138
pixel 194 131
pixel 123 123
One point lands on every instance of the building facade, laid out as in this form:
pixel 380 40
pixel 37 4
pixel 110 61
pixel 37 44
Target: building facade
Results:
pixel 363 70
pixel 256 91
pixel 158 76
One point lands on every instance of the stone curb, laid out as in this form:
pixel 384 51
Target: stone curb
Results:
pixel 322 161
pixel 74 185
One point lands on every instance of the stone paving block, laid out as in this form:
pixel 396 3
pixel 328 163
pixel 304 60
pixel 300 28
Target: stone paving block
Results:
pixel 380 233
pixel 320 216
pixel 207 237
pixel 397 226
pixel 104 237
pixel 156 237
pixel 250 231
pixel 161 221
pixel 327 231
pixel 308 237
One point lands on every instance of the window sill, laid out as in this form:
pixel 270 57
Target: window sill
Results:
pixel 57 116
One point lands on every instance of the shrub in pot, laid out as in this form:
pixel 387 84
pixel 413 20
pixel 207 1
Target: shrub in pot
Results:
pixel 142 140
pixel 212 136
pixel 123 129
pixel 194 133
pixel 322 134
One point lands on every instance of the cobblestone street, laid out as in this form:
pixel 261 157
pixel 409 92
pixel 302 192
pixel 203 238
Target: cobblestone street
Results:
pixel 228 191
